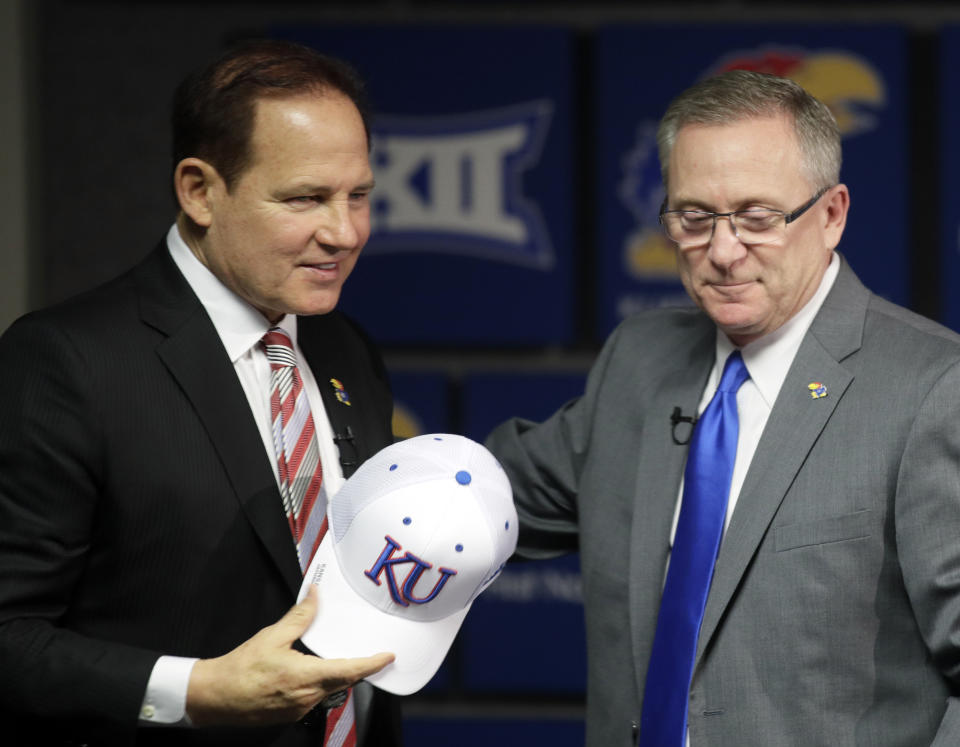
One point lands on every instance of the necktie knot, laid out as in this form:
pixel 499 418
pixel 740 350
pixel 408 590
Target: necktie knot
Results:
pixel 279 348
pixel 734 373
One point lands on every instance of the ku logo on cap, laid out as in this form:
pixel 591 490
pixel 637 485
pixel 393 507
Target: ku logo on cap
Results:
pixel 404 594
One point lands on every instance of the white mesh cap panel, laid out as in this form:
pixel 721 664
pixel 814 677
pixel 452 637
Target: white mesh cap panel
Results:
pixel 406 463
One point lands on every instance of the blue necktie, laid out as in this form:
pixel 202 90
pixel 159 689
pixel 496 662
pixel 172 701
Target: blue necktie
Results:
pixel 706 486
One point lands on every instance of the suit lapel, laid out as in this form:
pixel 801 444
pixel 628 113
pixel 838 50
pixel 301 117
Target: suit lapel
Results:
pixel 659 470
pixel 795 423
pixel 195 357
pixel 341 383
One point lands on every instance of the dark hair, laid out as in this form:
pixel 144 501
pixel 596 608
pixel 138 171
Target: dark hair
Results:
pixel 213 109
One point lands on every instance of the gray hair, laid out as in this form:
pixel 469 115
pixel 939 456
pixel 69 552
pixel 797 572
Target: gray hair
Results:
pixel 741 94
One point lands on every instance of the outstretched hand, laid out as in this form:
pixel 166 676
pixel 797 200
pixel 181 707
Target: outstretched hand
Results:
pixel 265 681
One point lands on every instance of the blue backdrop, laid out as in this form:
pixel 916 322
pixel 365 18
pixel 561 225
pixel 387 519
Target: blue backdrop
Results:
pixel 472 142
pixel 949 179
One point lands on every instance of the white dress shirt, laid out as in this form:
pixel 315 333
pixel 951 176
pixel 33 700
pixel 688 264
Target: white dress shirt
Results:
pixel 240 328
pixel 768 360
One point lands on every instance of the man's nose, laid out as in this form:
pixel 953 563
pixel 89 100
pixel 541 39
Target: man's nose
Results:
pixel 339 229
pixel 725 246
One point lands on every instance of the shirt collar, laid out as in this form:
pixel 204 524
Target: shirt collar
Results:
pixel 239 325
pixel 769 358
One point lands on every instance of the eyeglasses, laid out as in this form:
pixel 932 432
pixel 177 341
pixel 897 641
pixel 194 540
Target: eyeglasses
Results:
pixel 690 228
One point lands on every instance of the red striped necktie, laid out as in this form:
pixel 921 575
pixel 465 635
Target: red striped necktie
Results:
pixel 295 444
pixel 301 479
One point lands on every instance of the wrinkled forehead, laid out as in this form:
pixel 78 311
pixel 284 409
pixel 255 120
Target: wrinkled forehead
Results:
pixel 750 143
pixel 724 166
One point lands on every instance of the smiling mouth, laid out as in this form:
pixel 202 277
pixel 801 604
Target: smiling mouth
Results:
pixel 320 266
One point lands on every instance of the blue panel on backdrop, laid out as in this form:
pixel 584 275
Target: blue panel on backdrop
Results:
pixel 482 732
pixel 510 638
pixel 420 403
pixel 489 399
pixel 858 71
pixel 472 227
pixel 950 176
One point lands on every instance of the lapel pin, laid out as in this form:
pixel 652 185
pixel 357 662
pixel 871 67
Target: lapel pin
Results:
pixel 340 392
pixel 817 390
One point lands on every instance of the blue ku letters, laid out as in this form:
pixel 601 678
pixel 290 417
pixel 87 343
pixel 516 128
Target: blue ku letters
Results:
pixel 404 595
pixel 453 184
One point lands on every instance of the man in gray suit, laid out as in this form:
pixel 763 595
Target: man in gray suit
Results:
pixel 833 613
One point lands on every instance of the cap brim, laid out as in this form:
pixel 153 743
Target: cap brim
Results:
pixel 347 626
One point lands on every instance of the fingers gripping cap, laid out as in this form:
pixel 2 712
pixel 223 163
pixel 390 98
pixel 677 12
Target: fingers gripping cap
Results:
pixel 416 534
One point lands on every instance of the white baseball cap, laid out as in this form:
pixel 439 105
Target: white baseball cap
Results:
pixel 414 536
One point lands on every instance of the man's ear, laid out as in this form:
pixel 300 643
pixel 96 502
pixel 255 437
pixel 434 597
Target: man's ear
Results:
pixel 194 182
pixel 838 204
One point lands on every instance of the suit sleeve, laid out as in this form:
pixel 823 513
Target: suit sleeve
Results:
pixel 928 534
pixel 544 462
pixel 50 463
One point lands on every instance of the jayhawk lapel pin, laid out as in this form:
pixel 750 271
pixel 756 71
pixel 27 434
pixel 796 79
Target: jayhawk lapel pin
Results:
pixel 340 393
pixel 817 390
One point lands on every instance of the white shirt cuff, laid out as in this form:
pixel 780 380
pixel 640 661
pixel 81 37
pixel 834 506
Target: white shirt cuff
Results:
pixel 165 702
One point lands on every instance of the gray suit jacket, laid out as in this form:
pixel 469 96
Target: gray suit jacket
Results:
pixel 834 613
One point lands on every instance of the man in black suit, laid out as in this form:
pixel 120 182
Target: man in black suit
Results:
pixel 146 562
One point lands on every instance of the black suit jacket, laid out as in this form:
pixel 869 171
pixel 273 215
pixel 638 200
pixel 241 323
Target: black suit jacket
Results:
pixel 139 514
